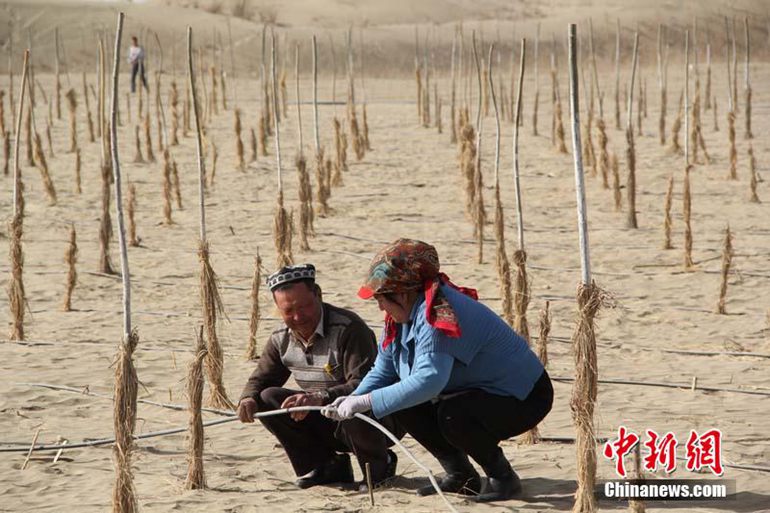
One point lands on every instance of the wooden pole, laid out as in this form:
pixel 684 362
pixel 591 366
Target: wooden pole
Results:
pixel 516 174
pixel 582 214
pixel 118 191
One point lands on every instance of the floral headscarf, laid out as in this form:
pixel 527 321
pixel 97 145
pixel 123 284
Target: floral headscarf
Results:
pixel 407 265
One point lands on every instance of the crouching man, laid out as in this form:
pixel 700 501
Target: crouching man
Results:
pixel 327 350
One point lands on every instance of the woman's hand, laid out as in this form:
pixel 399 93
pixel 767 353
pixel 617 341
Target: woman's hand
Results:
pixel 354 404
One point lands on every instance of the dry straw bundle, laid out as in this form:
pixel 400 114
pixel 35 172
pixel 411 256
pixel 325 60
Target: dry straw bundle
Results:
pixel 747 133
pixel 590 298
pixel 133 240
pixel 2 111
pixel 663 84
pixel 138 158
pixel 501 258
pixel 304 189
pixel 754 198
pixel 340 146
pixel 281 221
pixel 478 212
pixel 70 258
pixel 240 162
pixel 631 221
pixel 211 302
pixel 167 188
pixel 687 200
pixel 196 479
pixel 676 128
pixel 558 122
pixel 148 139
pixel 252 353
pixel 253 146
pixel 72 104
pixel 126 382
pixel 6 152
pixel 16 296
pixel 174 114
pixel 732 107
pixel 667 223
pixel 45 175
pixel 727 259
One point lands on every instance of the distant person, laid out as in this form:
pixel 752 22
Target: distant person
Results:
pixel 327 350
pixel 136 59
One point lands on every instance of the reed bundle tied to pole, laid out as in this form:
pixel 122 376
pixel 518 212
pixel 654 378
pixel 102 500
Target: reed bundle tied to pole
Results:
pixel 617 76
pixel 252 353
pixel 667 223
pixel 138 158
pixel 174 114
pixel 322 184
pixel 126 382
pixel 747 134
pixel 727 259
pixel 42 164
pixel 211 301
pixel 281 222
pixel 16 295
pixel 148 139
pixel 501 259
pixel 686 196
pixel 70 258
pixel 604 157
pixel 521 294
pixel 663 84
pixel 590 298
pixel 753 197
pixel 133 240
pixel 418 74
pixel 304 189
pixel 2 110
pixel 196 478
pixel 29 138
pixel 240 160
pixel 6 152
pixel 253 146
pixel 72 105
pixel 167 188
pixel 479 213
pixel 732 107
pixel 89 116
pixel 631 221
pixel 558 122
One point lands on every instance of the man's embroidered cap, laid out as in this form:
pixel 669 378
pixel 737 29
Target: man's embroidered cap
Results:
pixel 290 274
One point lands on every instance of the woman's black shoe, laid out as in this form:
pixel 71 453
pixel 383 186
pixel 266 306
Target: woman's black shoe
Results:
pixel 336 470
pixel 460 477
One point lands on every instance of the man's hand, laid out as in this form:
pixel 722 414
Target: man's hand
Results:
pixel 246 409
pixel 301 400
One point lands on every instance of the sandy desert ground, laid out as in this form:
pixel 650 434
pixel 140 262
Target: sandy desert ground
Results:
pixel 409 185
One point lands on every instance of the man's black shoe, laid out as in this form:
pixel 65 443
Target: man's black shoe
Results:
pixel 382 475
pixel 336 470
